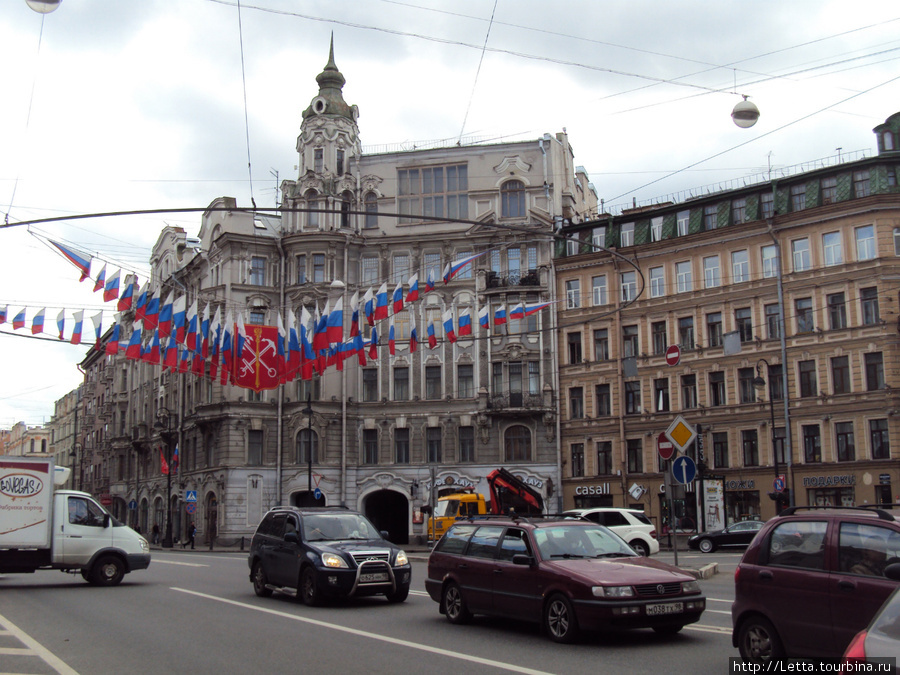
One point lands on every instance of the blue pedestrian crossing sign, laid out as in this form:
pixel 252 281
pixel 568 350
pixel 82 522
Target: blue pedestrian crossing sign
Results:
pixel 684 470
pixel 190 496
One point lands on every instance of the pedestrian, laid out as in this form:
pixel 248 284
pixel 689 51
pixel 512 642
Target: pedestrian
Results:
pixel 156 533
pixel 192 531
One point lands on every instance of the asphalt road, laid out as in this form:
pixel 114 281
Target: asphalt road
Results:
pixel 195 613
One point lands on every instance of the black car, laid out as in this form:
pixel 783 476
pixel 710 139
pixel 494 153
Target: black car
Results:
pixel 314 553
pixel 736 534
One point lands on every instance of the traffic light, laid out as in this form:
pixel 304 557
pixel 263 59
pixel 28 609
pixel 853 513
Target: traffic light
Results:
pixel 783 497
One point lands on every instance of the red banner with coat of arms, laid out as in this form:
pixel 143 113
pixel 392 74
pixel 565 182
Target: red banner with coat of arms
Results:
pixel 258 367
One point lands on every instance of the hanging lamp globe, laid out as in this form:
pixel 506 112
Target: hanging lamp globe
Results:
pixel 745 114
pixel 43 6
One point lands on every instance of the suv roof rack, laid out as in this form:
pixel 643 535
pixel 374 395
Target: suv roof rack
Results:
pixel 881 513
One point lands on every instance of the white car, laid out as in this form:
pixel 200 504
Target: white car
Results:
pixel 630 524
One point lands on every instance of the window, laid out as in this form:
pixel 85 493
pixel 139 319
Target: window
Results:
pixel 603 402
pixel 635 455
pixel 629 341
pixel 767 204
pixel 465 380
pixel 433 444
pixel 720 449
pixel 808 384
pixel 432 382
pixel 518 444
pixel 303 447
pixel 573 294
pixel 312 203
pixel 257 317
pixel 657 282
pixel 370 384
pixel 683 277
pixel 829 190
pixel 371 209
pixel 629 286
pixel 512 199
pixel 865 242
pixel 318 261
pixel 439 191
pixel 598 237
pixel 433 264
pixel 834 254
pixel 577 460
pixel 604 458
pixel 776 382
pixel 897 241
pixel 773 322
pixel 812 448
pixel 843 435
pixel 368 270
pixel 686 332
pixel 860 184
pixel 743 320
pixel 656 225
pixel 798 197
pixel 661 394
pixel 714 329
pixel 717 388
pixel 401 446
pixel 632 398
pixel 683 222
pixel 626 235
pixel 712 276
pixel 401 383
pixel 346 205
pixel 837 311
pixel 576 403
pixel 658 331
pixel 869 300
pixel 573 340
pixel 887 140
pixel 688 391
pixel 750 446
pixel 573 244
pixel 467 444
pixel 769 261
pixel 465 273
pixel 598 290
pixel 800 254
pixel 879 439
pixel 601 344
pixel 301 269
pixel 710 217
pixel 874 371
pixel 318 160
pixel 740 266
pixel 254 447
pixel 804 311
pixel 840 374
pixel 739 211
pixel 745 385
pixel 257 271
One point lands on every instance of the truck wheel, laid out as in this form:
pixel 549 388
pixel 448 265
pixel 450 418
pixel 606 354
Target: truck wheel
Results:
pixel 107 571
pixel 260 581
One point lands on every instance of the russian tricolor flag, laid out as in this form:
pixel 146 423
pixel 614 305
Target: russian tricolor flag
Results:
pixel 98 329
pixel 381 302
pixel 429 282
pixel 226 352
pixel 391 346
pixel 111 288
pixel 155 357
pixel 483 317
pixel 432 338
pixel 293 346
pixel 334 326
pixel 81 262
pixel 320 328
pixel 140 305
pixel 535 307
pixel 179 322
pixel 133 350
pixel 128 294
pixel 191 339
pixel 398 298
pixel 465 322
pixel 373 344
pixel 3 312
pixel 354 314
pixel 61 322
pixel 413 294
pixel 101 280
pixel 500 315
pixel 448 325
pixel 37 323
pixel 413 334
pixel 19 319
pixel 453 268
pixel 79 325
pixel 518 312
pixel 165 317
pixel 280 356
pixel 369 306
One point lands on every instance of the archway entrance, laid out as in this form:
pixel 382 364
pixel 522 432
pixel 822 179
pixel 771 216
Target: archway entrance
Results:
pixel 389 510
pixel 304 498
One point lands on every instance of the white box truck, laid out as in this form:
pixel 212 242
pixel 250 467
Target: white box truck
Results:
pixel 44 528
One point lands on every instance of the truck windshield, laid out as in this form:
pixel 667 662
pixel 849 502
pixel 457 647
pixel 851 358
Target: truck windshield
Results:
pixel 446 508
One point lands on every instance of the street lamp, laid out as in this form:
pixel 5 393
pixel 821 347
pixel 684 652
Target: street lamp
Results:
pixel 760 383
pixel 309 449
pixel 164 420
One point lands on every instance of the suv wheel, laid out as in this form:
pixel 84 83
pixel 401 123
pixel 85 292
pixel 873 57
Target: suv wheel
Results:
pixel 758 641
pixel 260 581
pixel 707 546
pixel 640 547
pixel 399 595
pixel 559 619
pixel 309 589
pixel 455 605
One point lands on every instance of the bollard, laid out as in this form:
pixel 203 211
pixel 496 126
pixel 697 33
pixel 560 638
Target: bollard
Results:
pixel 242 544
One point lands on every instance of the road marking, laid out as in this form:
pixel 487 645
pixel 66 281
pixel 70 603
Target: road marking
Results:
pixel 34 648
pixel 183 564
pixel 709 629
pixel 718 600
pixel 422 593
pixel 719 611
pixel 374 636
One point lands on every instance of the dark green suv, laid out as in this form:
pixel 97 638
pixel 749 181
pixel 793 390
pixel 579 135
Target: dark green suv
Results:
pixel 316 553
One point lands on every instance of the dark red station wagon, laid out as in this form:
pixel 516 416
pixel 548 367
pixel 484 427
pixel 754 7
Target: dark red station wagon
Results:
pixel 569 575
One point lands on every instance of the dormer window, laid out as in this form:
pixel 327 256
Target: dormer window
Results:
pixel 318 160
pixel 512 198
pixel 888 140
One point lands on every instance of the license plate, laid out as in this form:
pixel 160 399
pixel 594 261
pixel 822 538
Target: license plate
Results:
pixel 668 608
pixel 373 577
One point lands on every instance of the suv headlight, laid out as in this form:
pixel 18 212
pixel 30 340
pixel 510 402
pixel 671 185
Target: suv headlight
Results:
pixel 613 591
pixel 690 587
pixel 332 560
pixel 401 559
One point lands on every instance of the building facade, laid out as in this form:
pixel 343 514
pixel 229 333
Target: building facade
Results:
pixel 386 437
pixel 782 298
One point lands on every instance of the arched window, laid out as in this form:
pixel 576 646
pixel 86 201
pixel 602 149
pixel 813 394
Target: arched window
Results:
pixel 312 217
pixel 371 210
pixel 512 195
pixel 303 446
pixel 888 140
pixel 346 202
pixel 518 444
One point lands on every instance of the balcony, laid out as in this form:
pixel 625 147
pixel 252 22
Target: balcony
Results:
pixel 513 280
pixel 516 403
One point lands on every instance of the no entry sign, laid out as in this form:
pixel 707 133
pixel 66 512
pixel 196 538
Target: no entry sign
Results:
pixel 664 446
pixel 673 355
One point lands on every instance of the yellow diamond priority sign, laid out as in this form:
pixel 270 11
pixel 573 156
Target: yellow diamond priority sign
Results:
pixel 681 433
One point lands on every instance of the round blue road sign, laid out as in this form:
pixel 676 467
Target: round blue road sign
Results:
pixel 684 470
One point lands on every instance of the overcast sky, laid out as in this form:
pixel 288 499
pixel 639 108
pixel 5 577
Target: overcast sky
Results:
pixel 114 105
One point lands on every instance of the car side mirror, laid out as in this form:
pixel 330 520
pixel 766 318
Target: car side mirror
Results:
pixel 291 537
pixel 892 571
pixel 522 559
pixel 105 520
pixel 384 534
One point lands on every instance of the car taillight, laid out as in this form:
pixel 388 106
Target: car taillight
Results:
pixel 653 533
pixel 857 648
pixel 737 573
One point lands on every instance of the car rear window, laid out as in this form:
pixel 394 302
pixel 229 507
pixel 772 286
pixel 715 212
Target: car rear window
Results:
pixel 641 517
pixel 798 544
pixel 456 539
